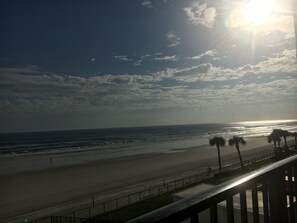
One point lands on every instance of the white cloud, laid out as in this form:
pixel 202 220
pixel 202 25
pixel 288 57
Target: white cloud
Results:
pixel 139 61
pixel 173 39
pixel 210 53
pixel 147 3
pixel 201 14
pixel 152 3
pixel 284 61
pixel 123 58
pixel 167 58
pixel 27 89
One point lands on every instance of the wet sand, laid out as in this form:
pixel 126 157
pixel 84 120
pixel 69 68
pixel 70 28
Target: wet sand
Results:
pixel 34 186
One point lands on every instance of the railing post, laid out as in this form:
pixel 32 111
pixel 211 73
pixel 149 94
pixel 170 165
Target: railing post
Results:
pixel 295 187
pixel 289 186
pixel 194 219
pixel 277 198
pixel 213 214
pixel 265 203
pixel 230 210
pixel 243 207
pixel 255 204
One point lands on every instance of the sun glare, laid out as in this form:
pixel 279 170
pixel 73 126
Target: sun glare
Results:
pixel 258 11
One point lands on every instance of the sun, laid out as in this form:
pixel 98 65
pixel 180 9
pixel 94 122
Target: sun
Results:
pixel 257 11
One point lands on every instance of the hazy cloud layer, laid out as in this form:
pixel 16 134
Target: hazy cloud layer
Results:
pixel 26 89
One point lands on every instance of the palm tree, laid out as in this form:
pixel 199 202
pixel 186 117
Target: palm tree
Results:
pixel 282 133
pixel 275 138
pixel 218 142
pixel 285 134
pixel 236 141
pixel 295 136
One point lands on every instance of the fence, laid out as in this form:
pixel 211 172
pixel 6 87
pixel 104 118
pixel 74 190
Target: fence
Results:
pixel 266 195
pixel 95 208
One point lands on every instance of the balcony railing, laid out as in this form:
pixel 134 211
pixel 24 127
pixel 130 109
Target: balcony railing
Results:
pixel 274 184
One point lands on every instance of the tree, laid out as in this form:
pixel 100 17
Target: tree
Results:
pixel 295 136
pixel 218 142
pixel 237 141
pixel 285 134
pixel 282 133
pixel 275 138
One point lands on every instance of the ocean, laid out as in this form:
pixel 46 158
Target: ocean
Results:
pixel 137 140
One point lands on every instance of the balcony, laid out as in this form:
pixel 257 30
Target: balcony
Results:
pixel 273 184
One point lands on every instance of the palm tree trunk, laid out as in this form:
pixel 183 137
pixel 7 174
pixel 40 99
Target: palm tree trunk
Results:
pixel 239 154
pixel 274 142
pixel 285 139
pixel 219 156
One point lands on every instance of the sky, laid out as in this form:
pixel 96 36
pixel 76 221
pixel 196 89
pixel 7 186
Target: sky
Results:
pixel 74 64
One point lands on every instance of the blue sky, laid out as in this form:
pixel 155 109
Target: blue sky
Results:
pixel 112 63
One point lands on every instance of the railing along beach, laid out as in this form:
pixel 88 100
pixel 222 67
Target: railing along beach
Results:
pixel 275 184
pixel 97 207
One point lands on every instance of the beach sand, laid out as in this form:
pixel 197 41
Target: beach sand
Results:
pixel 37 185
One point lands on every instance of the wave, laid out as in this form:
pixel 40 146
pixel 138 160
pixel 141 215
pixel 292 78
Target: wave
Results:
pixel 156 138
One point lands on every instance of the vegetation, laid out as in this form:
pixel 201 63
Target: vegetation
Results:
pixel 236 141
pixel 275 138
pixel 294 134
pixel 140 208
pixel 218 142
pixel 132 211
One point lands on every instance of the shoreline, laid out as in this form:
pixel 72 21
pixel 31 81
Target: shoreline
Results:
pixel 42 161
pixel 37 189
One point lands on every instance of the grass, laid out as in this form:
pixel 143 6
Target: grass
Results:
pixel 126 213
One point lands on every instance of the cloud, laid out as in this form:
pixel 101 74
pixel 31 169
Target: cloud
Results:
pixel 123 58
pixel 151 3
pixel 210 53
pixel 147 3
pixel 201 14
pixel 173 39
pixel 139 61
pixel 28 89
pixel 282 62
pixel 167 58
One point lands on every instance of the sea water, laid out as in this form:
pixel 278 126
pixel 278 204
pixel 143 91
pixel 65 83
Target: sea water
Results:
pixel 137 140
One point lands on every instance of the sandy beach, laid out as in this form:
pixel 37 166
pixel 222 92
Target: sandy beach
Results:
pixel 37 185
